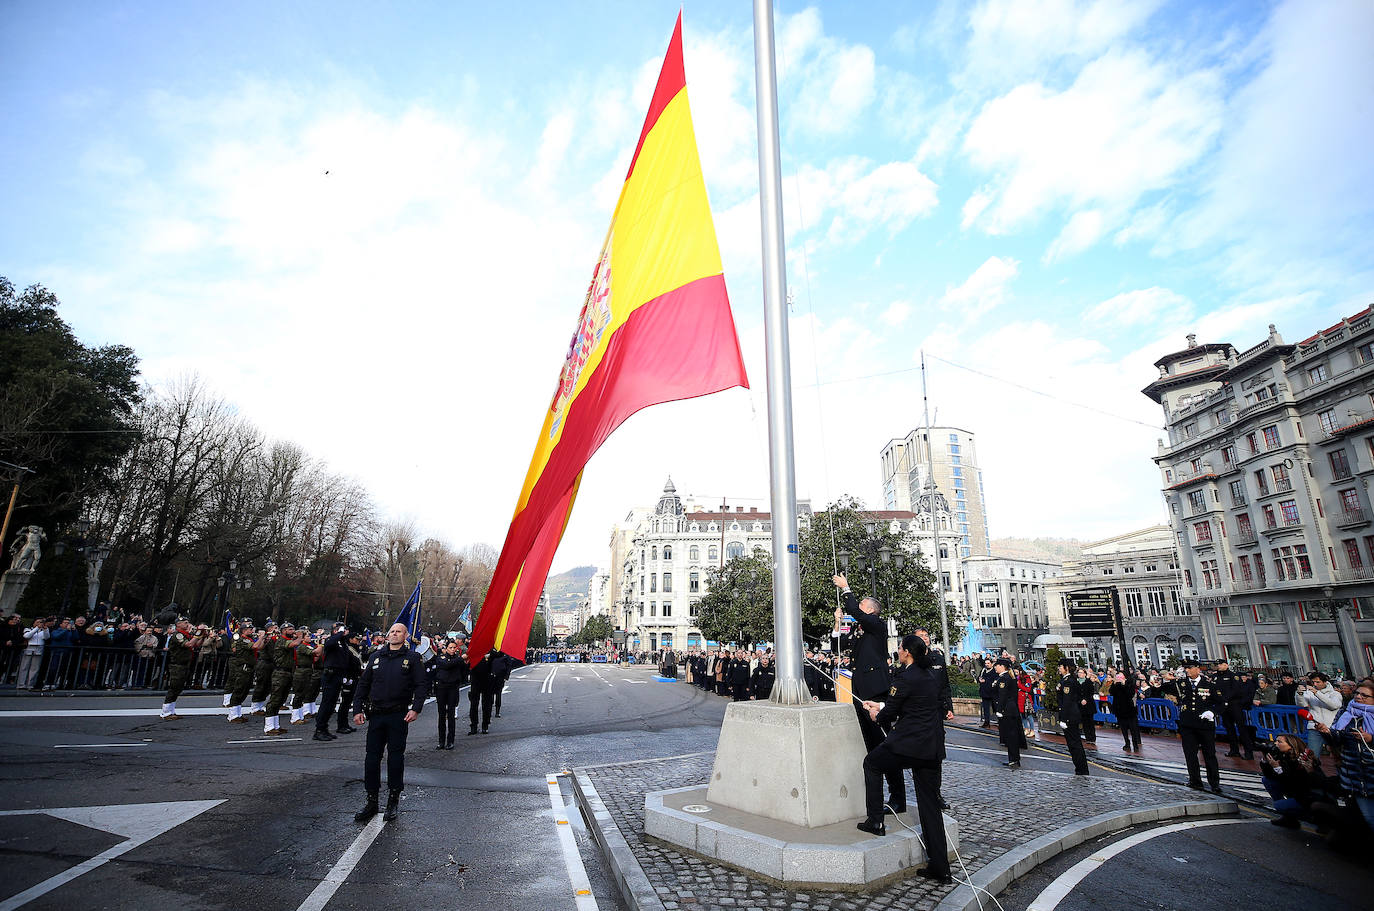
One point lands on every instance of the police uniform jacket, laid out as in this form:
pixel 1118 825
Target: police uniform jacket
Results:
pixel 937 661
pixel 1193 700
pixel 1070 712
pixel 869 662
pixel 1005 696
pixel 336 656
pixel 393 681
pixel 912 706
pixel 449 670
pixel 484 677
pixel 1227 685
pixel 1087 691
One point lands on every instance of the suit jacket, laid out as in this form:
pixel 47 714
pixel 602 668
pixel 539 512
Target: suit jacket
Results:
pixel 869 660
pixel 1006 697
pixel 937 661
pixel 1070 712
pixel 912 707
pixel 1194 700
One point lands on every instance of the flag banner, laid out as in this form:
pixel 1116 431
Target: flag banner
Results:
pixel 229 622
pixel 655 327
pixel 466 618
pixel 410 614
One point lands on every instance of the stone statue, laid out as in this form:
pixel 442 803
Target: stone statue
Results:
pixel 28 548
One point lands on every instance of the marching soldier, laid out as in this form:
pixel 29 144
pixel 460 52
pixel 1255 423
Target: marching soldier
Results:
pixel 390 696
pixel 283 668
pixel 303 663
pixel 1071 715
pixel 243 659
pixel 266 648
pixel 1005 703
pixel 1199 704
pixel 181 650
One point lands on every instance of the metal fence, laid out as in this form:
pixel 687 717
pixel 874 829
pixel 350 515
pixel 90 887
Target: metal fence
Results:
pixel 1162 715
pixel 85 668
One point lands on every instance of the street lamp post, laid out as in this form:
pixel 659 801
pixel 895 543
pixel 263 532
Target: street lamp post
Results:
pixel 78 544
pixel 230 580
pixel 872 554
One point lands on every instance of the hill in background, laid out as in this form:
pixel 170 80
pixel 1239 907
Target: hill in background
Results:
pixel 1048 550
pixel 567 589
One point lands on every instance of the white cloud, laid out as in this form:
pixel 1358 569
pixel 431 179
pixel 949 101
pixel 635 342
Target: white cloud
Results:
pixel 1011 38
pixel 1126 126
pixel 1156 307
pixel 896 313
pixel 830 82
pixel 1080 233
pixel 984 290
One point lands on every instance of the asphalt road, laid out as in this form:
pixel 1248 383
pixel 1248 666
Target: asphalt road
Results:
pixel 242 821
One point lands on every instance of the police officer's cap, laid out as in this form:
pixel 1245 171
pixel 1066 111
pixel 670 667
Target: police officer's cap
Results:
pixel 1191 662
pixel 1003 662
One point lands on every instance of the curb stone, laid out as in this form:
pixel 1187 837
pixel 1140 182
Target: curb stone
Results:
pixel 629 876
pixel 1020 860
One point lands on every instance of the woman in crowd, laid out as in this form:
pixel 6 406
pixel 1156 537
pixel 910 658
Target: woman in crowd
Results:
pixel 1122 693
pixel 1352 739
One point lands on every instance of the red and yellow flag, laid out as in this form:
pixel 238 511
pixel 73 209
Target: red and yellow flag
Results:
pixel 655 327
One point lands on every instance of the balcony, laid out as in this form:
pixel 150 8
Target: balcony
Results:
pixel 1354 574
pixel 1249 585
pixel 1246 536
pixel 1238 500
pixel 1349 518
pixel 1355 419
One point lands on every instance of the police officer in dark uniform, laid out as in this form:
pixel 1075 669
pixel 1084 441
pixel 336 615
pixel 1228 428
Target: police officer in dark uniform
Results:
pixel 337 661
pixel 912 708
pixel 763 678
pixel 482 690
pixel 1007 707
pixel 1199 704
pixel 870 680
pixel 1237 696
pixel 390 696
pixel 450 670
pixel 1071 715
pixel 937 661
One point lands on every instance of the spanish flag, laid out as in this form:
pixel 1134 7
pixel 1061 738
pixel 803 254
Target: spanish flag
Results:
pixel 655 327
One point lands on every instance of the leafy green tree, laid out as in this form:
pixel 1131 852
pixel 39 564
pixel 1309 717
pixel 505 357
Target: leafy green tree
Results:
pixel 738 604
pixel 1052 659
pixel 66 410
pixel 906 593
pixel 596 629
pixel 539 633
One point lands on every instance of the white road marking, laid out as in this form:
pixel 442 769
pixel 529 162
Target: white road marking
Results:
pixel 152 711
pixel 267 740
pixel 138 823
pixel 548 681
pixel 1025 754
pixel 1055 892
pixel 92 746
pixel 601 678
pixel 338 873
pixel 577 873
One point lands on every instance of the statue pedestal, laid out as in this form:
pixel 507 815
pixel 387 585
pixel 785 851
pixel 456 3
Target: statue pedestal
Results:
pixel 12 586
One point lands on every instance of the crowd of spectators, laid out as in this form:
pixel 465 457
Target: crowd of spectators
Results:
pixel 104 650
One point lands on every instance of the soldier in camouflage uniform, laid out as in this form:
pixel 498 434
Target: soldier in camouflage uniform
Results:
pixel 303 657
pixel 243 659
pixel 181 651
pixel 262 672
pixel 283 668
pixel 312 698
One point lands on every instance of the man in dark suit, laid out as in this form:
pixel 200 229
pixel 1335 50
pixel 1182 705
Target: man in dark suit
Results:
pixel 870 681
pixel 1006 705
pixel 1071 715
pixel 937 661
pixel 912 707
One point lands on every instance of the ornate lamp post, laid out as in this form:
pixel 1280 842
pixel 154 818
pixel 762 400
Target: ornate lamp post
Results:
pixel 96 555
pixel 229 580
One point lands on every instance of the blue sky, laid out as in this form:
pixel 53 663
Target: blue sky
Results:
pixel 1049 191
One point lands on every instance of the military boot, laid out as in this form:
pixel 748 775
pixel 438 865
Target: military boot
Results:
pixel 369 809
pixel 393 805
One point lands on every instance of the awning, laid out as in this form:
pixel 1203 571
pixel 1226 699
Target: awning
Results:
pixel 1045 641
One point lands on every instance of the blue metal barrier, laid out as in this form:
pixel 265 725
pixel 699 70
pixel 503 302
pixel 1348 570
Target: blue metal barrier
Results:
pixel 548 659
pixel 1157 714
pixel 1271 720
pixel 598 659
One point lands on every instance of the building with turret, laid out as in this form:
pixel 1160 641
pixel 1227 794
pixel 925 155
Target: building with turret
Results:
pixel 1265 475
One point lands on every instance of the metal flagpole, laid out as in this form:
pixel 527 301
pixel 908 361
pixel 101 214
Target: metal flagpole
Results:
pixel 934 519
pixel 790 687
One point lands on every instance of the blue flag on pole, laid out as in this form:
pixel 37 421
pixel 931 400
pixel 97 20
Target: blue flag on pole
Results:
pixel 466 619
pixel 229 623
pixel 410 614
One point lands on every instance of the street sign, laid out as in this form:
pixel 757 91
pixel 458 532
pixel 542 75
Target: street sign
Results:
pixel 1090 613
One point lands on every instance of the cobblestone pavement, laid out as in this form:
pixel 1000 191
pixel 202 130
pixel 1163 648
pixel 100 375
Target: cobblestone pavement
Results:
pixel 996 809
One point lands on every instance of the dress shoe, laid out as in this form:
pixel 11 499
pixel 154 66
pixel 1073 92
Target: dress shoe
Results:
pixel 368 811
pixel 471 732
pixel 441 747
pixel 324 735
pixel 1012 765
pixel 943 804
pixel 1216 789
pixel 872 827
pixel 393 806
pixel 894 810
pixel 935 876
pixel 344 729
pixel 1195 785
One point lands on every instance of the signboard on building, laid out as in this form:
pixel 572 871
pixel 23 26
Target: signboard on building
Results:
pixel 1092 613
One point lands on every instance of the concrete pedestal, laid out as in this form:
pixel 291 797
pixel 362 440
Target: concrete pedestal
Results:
pixel 798 764
pixel 12 586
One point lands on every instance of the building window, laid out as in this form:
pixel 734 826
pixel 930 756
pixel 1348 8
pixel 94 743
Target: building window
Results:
pixel 1269 521
pixel 1221 416
pixel 667 552
pixel 1271 436
pixel 1197 501
pixel 1229 616
pixel 653 608
pixel 1350 504
pixel 653 582
pixel 1202 532
pixel 1238 492
pixel 1352 553
pixel 1210 577
pixel 1135 604
pixel 1317 374
pixel 1228 455
pixel 694 554
pixel 1281 481
pixel 734 549
pixel 1262 483
pixel 653 553
pixel 667 608
pixel 1340 464
pixel 1289 509
pixel 1251 443
pixel 1243 526
pixel 693 582
pixel 1245 569
pixel 692 608
pixel 667 582
pixel 1315 611
pixel 712 554
pixel 1157 606
pixel 1268 612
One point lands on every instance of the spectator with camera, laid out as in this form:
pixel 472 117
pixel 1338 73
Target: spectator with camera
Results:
pixel 1352 739
pixel 1292 775
pixel 1322 701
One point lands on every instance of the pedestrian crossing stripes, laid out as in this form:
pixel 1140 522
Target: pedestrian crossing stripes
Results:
pixel 1233 779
